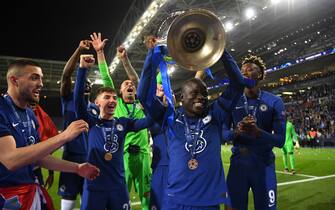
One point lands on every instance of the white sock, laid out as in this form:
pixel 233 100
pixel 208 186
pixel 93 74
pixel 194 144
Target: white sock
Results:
pixel 67 204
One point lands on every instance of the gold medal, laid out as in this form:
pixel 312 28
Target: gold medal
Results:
pixel 108 156
pixel 193 164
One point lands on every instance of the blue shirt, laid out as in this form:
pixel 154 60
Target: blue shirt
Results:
pixel 160 139
pixel 270 115
pixel 111 172
pixel 10 125
pixel 204 186
pixel 78 146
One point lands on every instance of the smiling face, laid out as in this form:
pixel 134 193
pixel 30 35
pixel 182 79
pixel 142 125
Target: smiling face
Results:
pixel 128 91
pixel 106 100
pixel 251 71
pixel 194 97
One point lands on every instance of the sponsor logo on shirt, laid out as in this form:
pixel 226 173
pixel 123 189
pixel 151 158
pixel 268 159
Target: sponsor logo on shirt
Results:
pixel 200 145
pixel 114 145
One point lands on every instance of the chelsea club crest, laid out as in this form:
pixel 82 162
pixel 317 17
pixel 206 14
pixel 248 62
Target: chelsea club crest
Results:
pixel 119 127
pixel 263 107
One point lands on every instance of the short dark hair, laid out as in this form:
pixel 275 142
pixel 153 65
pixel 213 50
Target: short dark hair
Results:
pixel 22 63
pixel 16 65
pixel 256 60
pixel 192 81
pixel 105 89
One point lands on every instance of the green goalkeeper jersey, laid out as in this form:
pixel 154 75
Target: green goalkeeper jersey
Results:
pixel 291 135
pixel 139 138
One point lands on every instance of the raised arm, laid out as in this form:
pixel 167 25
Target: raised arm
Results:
pixel 123 57
pixel 86 61
pixel 234 91
pixel 99 46
pixel 146 91
pixel 65 87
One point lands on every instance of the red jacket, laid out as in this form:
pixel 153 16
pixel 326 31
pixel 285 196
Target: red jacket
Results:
pixel 47 128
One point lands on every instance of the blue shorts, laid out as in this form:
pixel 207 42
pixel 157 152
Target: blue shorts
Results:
pixel 71 184
pixel 109 200
pixel 246 172
pixel 158 185
pixel 170 205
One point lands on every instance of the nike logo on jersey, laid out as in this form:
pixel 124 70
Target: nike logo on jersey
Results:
pixel 271 204
pixel 239 107
pixel 177 120
pixel 15 124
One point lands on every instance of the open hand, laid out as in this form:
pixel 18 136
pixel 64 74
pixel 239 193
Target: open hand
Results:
pixel 88 171
pixel 97 44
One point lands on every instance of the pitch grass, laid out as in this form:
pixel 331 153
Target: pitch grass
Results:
pixel 315 194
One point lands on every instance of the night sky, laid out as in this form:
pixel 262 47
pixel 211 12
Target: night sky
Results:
pixel 53 29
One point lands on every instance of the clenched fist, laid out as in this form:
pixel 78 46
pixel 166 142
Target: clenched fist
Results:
pixel 121 52
pixel 86 61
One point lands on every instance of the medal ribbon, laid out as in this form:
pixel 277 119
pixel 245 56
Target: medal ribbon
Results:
pixel 27 124
pixel 246 105
pixel 188 135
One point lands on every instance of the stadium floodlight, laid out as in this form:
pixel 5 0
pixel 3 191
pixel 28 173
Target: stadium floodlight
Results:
pixel 98 82
pixel 274 2
pixel 287 93
pixel 137 29
pixel 228 26
pixel 250 13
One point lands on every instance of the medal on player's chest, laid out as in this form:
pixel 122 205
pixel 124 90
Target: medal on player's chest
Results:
pixel 193 164
pixel 108 156
pixel 108 136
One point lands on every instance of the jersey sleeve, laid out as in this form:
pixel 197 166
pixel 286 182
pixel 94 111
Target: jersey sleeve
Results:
pixel 146 91
pixel 237 82
pixel 277 138
pixel 80 104
pixel 106 78
pixel 138 124
pixel 294 134
pixel 4 126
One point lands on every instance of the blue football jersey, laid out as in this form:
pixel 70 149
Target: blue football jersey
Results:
pixel 159 146
pixel 270 115
pixel 22 125
pixel 205 184
pixel 105 136
pixel 79 144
